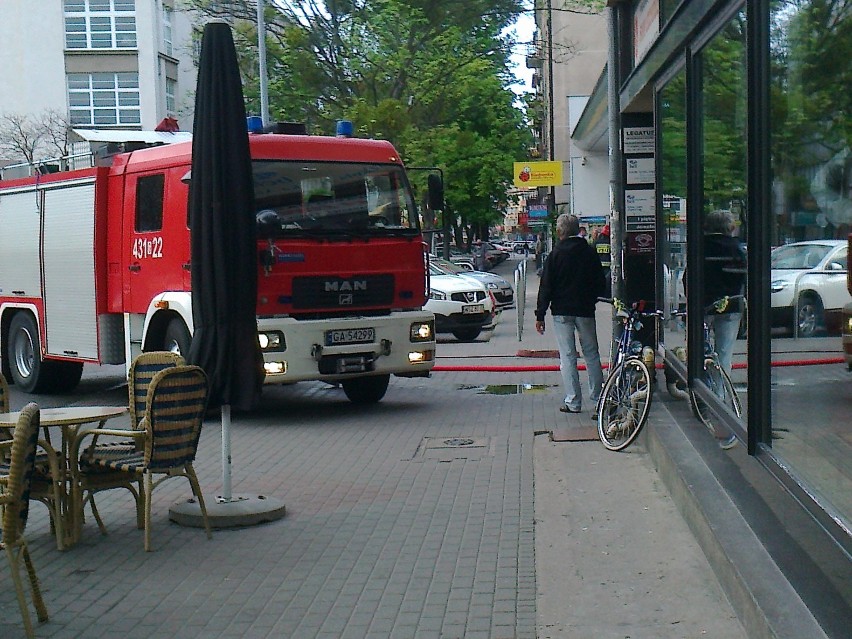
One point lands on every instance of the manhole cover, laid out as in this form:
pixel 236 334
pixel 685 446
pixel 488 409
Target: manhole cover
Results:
pixel 453 447
pixel 459 441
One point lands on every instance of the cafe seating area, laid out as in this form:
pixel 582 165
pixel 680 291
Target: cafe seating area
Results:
pixel 167 406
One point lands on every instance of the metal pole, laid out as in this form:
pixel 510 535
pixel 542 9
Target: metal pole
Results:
pixel 226 452
pixel 616 188
pixel 261 54
pixel 551 151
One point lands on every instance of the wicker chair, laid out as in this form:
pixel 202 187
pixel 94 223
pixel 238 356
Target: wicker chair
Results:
pixel 45 486
pixel 174 411
pixel 15 500
pixel 142 371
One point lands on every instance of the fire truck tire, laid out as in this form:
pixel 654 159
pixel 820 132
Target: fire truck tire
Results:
pixel 63 377
pixel 366 390
pixel 29 372
pixel 177 338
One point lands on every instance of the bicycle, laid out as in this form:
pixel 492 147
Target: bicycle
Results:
pixel 626 396
pixel 716 379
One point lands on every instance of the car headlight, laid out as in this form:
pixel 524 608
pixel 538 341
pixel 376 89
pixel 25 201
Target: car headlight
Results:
pixel 778 285
pixel 437 295
pixel 491 285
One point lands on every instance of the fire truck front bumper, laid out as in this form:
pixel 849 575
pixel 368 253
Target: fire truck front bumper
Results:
pixel 402 343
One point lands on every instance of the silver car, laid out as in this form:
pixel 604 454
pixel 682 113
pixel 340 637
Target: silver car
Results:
pixel 502 291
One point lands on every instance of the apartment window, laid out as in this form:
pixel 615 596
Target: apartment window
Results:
pixel 100 24
pixel 171 89
pixel 104 99
pixel 167 31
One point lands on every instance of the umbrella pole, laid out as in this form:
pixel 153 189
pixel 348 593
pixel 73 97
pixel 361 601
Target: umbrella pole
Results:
pixel 226 452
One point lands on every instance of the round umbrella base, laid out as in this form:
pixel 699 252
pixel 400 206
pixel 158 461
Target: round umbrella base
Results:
pixel 240 510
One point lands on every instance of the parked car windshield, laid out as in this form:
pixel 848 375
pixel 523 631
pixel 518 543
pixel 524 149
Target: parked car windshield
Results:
pixel 317 198
pixel 798 256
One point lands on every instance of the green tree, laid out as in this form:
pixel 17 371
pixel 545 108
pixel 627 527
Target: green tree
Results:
pixel 432 76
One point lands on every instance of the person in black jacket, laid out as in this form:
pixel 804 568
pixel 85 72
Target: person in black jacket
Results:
pixel 724 275
pixel 571 282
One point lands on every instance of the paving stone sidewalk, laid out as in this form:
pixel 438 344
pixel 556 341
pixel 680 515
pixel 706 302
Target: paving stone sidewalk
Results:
pixel 396 526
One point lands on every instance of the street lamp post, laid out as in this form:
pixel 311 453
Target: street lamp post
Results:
pixel 261 54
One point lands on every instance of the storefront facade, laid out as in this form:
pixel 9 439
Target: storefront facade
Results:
pixel 739 111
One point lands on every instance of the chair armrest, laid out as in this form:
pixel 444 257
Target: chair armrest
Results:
pixel 97 432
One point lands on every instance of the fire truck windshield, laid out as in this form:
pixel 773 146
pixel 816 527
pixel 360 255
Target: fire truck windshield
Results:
pixel 332 198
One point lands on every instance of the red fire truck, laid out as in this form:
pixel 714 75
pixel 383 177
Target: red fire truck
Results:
pixel 95 265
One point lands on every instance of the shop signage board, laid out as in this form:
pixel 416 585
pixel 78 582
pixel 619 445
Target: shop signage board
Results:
pixel 638 139
pixel 640 170
pixel 537 174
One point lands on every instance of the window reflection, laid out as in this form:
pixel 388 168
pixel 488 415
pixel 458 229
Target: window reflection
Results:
pixel 723 214
pixel 811 214
pixel 672 181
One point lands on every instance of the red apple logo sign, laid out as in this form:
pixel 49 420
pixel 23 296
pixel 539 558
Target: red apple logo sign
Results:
pixel 524 175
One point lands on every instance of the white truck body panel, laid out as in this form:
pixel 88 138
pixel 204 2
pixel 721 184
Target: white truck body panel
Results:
pixel 20 272
pixel 70 309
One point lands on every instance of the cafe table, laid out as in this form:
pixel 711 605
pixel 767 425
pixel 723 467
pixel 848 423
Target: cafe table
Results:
pixel 70 421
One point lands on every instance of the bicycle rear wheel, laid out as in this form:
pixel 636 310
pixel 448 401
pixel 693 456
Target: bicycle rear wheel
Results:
pixel 718 381
pixel 625 401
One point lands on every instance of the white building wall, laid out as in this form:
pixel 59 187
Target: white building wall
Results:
pixel 33 60
pixel 32 65
pixel 579 55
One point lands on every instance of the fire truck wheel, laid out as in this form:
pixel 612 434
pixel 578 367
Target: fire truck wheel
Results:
pixel 177 338
pixel 25 354
pixel 366 390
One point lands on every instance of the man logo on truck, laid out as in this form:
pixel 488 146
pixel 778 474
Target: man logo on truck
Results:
pixel 345 285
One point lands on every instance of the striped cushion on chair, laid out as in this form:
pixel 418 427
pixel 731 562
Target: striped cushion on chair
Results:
pixel 174 413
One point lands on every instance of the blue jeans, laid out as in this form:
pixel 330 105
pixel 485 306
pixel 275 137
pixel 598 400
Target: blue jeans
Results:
pixel 565 326
pixel 725 328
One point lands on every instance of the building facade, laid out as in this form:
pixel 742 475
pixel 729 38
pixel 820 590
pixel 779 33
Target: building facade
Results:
pixel 101 64
pixel 740 108
pixel 570 51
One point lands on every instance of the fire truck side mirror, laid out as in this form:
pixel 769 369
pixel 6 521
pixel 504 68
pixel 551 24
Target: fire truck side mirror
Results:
pixel 436 192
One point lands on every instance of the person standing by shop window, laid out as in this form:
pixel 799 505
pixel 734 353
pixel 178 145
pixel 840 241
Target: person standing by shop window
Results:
pixel 571 281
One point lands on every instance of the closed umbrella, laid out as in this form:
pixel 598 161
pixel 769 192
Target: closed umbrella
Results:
pixel 223 239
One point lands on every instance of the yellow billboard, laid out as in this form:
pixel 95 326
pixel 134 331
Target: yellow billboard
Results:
pixel 538 174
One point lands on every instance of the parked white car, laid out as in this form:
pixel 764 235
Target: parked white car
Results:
pixel 809 286
pixel 461 306
pixel 504 294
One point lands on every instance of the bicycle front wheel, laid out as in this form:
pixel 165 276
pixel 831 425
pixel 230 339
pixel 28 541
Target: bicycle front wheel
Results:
pixel 624 405
pixel 718 381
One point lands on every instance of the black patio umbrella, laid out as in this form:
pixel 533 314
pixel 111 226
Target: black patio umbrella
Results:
pixel 223 234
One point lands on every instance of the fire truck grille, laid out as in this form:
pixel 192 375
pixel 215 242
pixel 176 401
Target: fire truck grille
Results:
pixel 331 292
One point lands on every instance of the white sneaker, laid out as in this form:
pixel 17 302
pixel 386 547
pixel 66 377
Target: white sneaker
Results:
pixel 728 443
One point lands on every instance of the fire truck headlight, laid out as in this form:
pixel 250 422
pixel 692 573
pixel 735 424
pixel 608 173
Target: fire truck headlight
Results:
pixel 274 368
pixel 422 331
pixel 415 357
pixel 272 341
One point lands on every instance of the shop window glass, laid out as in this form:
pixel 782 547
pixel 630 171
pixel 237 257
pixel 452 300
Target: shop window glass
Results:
pixel 810 53
pixel 672 184
pixel 723 108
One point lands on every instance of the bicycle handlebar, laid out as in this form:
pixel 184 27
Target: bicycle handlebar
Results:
pixel 718 306
pixel 636 308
